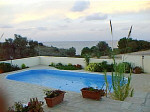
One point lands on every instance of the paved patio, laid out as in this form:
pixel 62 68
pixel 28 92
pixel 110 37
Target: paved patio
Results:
pixel 73 102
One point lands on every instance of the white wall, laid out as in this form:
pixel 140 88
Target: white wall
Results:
pixel 32 61
pixel 46 60
pixel 136 60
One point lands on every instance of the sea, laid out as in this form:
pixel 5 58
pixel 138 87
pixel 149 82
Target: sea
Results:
pixel 78 45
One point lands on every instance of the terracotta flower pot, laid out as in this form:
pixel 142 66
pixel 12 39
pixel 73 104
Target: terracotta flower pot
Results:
pixel 96 95
pixel 137 70
pixel 1 71
pixel 51 102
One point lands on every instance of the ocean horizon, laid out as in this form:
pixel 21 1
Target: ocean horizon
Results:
pixel 78 45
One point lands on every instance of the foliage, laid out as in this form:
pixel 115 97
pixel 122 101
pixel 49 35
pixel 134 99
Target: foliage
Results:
pixel 127 45
pixel 7 67
pixel 95 90
pixel 120 84
pixel 33 106
pixel 19 47
pixel 23 66
pixel 101 49
pixel 52 64
pixel 127 65
pixel 85 51
pixel 87 59
pixel 93 67
pixel 59 64
pixel 99 67
pixel 54 51
pixel 52 93
pixel 66 67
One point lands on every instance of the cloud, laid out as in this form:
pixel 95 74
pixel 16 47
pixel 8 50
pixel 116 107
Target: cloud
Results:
pixel 6 26
pixel 96 29
pixel 42 28
pixel 33 28
pixel 96 16
pixel 68 20
pixel 80 6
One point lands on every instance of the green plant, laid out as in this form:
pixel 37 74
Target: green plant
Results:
pixel 59 64
pixel 127 66
pixel 100 67
pixel 69 64
pixel 52 64
pixel 120 84
pixel 23 66
pixel 52 93
pixel 93 67
pixel 7 67
pixel 87 59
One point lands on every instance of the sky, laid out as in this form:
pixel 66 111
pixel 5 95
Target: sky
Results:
pixel 74 20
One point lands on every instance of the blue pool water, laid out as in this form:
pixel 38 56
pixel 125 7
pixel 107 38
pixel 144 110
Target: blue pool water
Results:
pixel 64 80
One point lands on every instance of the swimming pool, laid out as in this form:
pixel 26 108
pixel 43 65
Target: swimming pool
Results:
pixel 59 79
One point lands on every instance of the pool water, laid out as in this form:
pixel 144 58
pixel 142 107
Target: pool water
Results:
pixel 58 79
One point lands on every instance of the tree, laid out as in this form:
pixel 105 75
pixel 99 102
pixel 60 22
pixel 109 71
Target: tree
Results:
pixel 103 48
pixel 85 51
pixel 71 52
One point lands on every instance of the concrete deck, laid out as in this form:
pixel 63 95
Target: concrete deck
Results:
pixel 73 102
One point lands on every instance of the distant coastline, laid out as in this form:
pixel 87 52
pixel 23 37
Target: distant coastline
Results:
pixel 78 45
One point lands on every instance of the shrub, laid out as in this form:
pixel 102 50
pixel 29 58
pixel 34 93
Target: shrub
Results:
pixel 7 67
pixel 59 64
pixel 137 70
pixel 69 64
pixel 67 67
pixel 52 64
pixel 93 67
pixel 23 66
pixel 99 67
pixel 127 66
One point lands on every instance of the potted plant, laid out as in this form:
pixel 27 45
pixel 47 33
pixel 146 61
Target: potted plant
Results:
pixel 92 93
pixel 33 106
pixel 137 70
pixel 53 97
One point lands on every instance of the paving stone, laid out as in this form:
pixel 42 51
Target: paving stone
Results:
pixel 125 105
pixel 146 109
pixel 147 103
pixel 73 102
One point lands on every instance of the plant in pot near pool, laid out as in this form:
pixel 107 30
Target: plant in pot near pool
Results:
pixel 137 70
pixel 92 93
pixel 53 97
